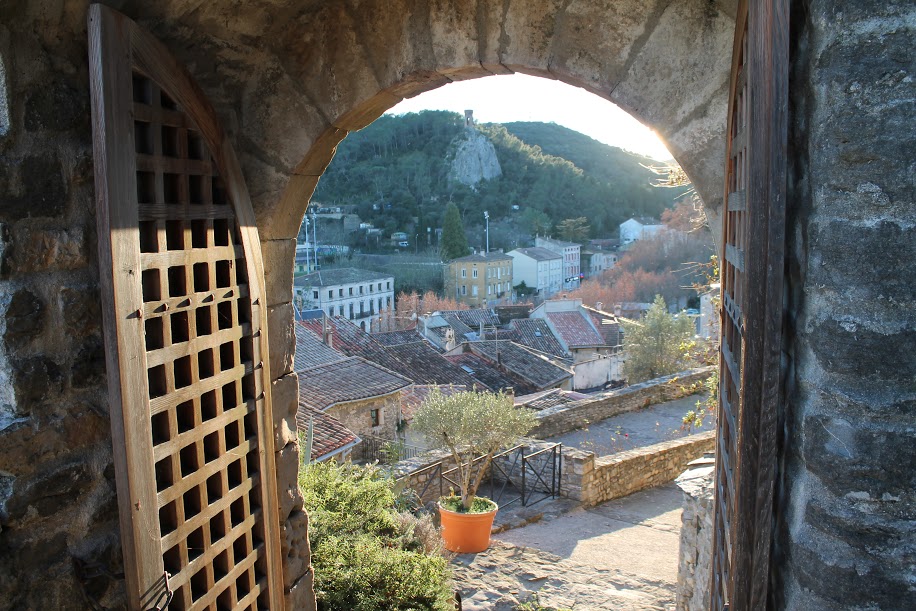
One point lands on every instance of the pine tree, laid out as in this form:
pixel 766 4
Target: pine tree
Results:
pixel 454 241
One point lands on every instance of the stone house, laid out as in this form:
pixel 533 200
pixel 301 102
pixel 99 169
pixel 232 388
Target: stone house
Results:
pixel 634 229
pixel 571 259
pixel 356 294
pixel 479 280
pixel 824 246
pixel 540 269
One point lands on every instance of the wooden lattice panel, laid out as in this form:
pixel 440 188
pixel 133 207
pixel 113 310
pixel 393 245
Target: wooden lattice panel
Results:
pixel 735 226
pixel 751 309
pixel 196 443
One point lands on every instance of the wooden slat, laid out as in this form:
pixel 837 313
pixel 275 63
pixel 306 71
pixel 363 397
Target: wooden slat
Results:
pixel 119 266
pixel 160 404
pixel 178 441
pixel 239 568
pixel 735 256
pixel 169 540
pixel 193 301
pixel 183 577
pixel 197 344
pixel 737 201
pixel 156 212
pixel 172 258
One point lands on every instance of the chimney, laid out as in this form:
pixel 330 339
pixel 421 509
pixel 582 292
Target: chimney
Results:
pixel 599 306
pixel 326 332
pixel 618 310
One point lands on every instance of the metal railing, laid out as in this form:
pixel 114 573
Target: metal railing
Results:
pixel 513 476
pixel 386 451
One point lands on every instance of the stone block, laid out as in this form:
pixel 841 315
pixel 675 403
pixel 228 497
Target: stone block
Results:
pixel 34 380
pixel 80 310
pixel 280 217
pixel 41 193
pixel 290 498
pixel 294 544
pixel 285 397
pixel 34 249
pixel 278 256
pixel 282 338
pixel 25 318
pixel 301 596
pixel 56 107
pixel 454 36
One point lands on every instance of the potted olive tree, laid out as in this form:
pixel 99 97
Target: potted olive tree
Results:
pixel 470 425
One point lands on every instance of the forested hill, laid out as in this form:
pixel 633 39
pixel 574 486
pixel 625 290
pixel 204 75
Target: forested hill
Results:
pixel 400 168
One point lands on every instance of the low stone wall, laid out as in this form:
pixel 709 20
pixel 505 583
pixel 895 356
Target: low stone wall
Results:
pixel 695 555
pixel 594 480
pixel 578 414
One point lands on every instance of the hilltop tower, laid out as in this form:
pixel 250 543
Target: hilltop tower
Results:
pixel 468 118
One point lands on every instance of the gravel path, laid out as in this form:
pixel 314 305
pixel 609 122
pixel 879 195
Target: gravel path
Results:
pixel 618 556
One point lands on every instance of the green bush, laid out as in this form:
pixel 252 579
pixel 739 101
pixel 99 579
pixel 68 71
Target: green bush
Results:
pixel 366 555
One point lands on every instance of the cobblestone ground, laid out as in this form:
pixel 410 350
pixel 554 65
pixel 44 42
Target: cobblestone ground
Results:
pixel 620 556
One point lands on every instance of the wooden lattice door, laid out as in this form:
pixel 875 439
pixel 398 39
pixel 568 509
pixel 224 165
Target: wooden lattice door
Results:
pixel 751 309
pixel 185 333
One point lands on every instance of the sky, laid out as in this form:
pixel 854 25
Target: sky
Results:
pixel 519 97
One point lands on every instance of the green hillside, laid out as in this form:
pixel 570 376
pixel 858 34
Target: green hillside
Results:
pixel 397 170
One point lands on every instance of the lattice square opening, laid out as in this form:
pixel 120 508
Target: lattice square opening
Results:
pixel 154 333
pixel 178 281
pixel 244 310
pixel 204 322
pixel 199 584
pixel 215 492
pixel 219 192
pixel 201 277
pixel 205 364
pixel 243 584
pixel 223 274
pixel 221 232
pixel 227 357
pixel 196 147
pixel 171 188
pixel 184 414
pixel 143 138
pixel 168 518
pixel 171 147
pixel 149 237
pixel 251 425
pixel 181 330
pixel 198 233
pixel 142 89
pixel 235 474
pixel 211 447
pixel 172 560
pixel 183 375
pixel 166 101
pixel 241 272
pixel 146 187
pixel 152 285
pixel 160 428
pixel 224 317
pixel 174 235
pixel 157 382
pixel 188 459
pixel 230 396
pixel 221 565
pixel 208 406
pixel 249 387
pixel 246 349
pixel 192 503
pixel 165 475
pixel 232 435
pixel 195 544
pixel 196 189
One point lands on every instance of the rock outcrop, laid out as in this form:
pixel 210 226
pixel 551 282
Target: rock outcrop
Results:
pixel 474 160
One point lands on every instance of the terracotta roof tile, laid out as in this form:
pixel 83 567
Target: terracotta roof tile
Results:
pixel 533 367
pixel 490 374
pixel 396 338
pixel 352 379
pixel 311 352
pixel 535 333
pixel 421 363
pixel 329 435
pixel 574 329
pixel 607 326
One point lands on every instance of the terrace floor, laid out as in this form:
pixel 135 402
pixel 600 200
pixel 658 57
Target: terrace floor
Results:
pixel 654 424
pixel 621 555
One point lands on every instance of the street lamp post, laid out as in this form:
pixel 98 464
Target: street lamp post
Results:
pixel 486 216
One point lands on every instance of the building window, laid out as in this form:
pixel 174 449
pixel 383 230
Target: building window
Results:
pixel 464 273
pixel 351 291
pixel 379 286
pixel 489 289
pixel 388 285
pixel 376 417
pixel 315 295
pixel 474 273
pixel 464 289
pixel 330 295
pixel 351 311
pixel 340 292
pixel 499 272
pixel 360 289
pixel 340 310
pixel 474 291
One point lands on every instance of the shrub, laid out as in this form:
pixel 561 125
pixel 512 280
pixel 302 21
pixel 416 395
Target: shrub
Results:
pixel 367 556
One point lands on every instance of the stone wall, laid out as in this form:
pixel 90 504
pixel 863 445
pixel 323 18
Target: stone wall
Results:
pixel 594 480
pixel 695 552
pixel 600 406
pixel 846 503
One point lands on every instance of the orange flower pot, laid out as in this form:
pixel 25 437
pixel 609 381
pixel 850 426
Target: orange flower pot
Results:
pixel 466 533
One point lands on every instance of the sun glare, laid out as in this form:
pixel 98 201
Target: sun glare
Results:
pixel 519 97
